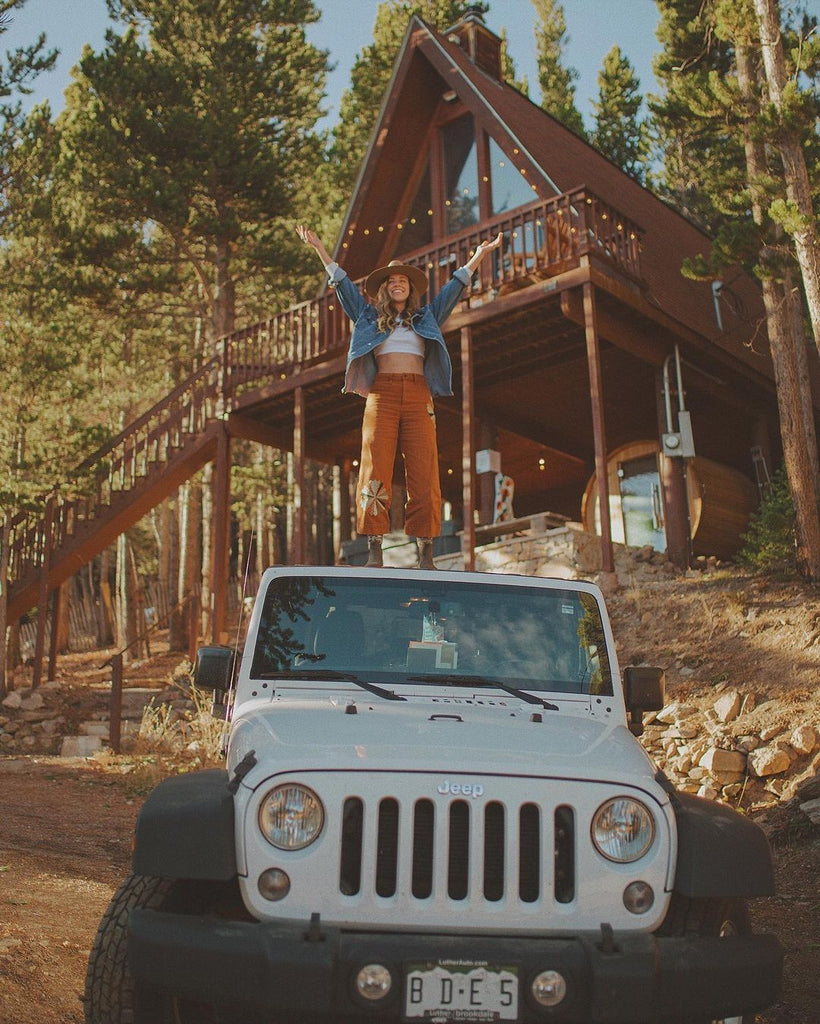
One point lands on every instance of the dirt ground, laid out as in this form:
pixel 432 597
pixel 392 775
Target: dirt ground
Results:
pixel 66 824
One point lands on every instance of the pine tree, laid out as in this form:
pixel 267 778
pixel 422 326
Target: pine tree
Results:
pixel 714 71
pixel 555 80
pixel 793 116
pixel 508 71
pixel 691 144
pixel 619 132
pixel 196 126
pixel 360 104
pixel 17 72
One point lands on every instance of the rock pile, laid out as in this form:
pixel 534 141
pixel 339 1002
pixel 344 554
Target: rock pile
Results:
pixel 56 720
pixel 737 747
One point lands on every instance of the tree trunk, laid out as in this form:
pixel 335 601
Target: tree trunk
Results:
pixel 183 549
pixel 124 623
pixel 161 520
pixel 797 440
pixel 224 291
pixel 63 623
pixel 796 427
pixel 206 592
pixel 107 618
pixel 794 163
pixel 193 558
pixel 5 534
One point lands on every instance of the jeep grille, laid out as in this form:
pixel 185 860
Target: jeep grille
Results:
pixel 421 834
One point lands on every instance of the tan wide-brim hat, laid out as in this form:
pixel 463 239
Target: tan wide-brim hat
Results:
pixel 414 275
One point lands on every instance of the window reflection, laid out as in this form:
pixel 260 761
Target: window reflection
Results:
pixel 393 631
pixel 460 174
pixel 509 188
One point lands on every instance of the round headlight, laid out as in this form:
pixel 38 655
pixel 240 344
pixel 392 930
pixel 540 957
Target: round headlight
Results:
pixel 623 829
pixel 291 817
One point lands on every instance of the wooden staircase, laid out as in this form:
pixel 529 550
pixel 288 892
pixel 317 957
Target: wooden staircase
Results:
pixel 152 456
pixel 114 488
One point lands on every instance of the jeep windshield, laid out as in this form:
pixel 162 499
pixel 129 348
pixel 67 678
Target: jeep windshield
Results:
pixel 394 631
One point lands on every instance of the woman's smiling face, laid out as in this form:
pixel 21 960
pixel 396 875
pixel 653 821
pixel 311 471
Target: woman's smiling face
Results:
pixel 398 288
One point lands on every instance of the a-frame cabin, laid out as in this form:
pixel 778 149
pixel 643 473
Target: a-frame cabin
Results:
pixel 616 392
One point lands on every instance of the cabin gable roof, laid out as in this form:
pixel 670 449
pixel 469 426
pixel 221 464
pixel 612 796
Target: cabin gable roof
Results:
pixel 553 159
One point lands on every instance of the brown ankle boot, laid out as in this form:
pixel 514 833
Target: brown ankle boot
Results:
pixel 425 546
pixel 374 552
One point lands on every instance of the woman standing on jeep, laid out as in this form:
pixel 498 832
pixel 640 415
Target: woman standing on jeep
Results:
pixel 398 361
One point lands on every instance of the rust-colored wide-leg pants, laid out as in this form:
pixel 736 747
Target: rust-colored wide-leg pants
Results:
pixel 399 415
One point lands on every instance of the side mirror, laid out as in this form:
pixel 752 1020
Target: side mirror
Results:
pixel 645 691
pixel 214 671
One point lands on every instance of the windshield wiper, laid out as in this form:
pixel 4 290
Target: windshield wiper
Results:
pixel 530 698
pixel 332 676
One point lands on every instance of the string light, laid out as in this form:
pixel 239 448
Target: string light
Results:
pixel 465 193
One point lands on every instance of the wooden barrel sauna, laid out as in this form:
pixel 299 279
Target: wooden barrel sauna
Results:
pixel 720 498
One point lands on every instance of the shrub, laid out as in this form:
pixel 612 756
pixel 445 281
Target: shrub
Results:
pixel 769 543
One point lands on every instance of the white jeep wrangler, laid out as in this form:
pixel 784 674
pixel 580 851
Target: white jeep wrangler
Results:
pixel 434 809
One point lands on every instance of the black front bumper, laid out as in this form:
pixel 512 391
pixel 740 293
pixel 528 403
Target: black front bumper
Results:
pixel 282 968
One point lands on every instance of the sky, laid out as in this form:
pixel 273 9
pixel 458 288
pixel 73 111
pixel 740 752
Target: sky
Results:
pixel 347 25
pixel 593 26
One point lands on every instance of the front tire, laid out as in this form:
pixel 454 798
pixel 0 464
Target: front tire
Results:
pixel 111 995
pixel 709 917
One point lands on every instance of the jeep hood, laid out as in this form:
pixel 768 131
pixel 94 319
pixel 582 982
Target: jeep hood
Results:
pixel 323 735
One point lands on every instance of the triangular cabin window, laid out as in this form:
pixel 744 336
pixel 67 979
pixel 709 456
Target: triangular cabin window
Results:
pixel 509 188
pixel 461 198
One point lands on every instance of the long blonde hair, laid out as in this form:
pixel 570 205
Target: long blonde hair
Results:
pixel 388 317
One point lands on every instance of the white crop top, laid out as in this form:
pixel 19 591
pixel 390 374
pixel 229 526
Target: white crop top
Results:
pixel 402 339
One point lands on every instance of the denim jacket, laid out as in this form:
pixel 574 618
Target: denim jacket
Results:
pixel 427 320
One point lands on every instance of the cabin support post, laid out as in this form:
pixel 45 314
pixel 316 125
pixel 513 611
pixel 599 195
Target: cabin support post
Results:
pixel 468 476
pixel 298 554
pixel 487 438
pixel 56 609
pixel 675 500
pixel 342 518
pixel 598 428
pixel 221 534
pixel 42 600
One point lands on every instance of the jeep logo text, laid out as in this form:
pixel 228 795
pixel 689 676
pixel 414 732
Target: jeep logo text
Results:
pixel 473 789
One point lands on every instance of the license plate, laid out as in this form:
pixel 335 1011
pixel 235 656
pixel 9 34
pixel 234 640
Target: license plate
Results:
pixel 456 990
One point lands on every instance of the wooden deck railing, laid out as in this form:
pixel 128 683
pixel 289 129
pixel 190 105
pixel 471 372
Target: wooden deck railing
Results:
pixel 540 240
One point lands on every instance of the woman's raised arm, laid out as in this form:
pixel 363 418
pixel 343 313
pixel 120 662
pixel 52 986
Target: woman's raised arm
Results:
pixel 309 237
pixel 481 251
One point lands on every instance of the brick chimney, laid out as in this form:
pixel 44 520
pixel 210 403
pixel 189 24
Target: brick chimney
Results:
pixel 482 46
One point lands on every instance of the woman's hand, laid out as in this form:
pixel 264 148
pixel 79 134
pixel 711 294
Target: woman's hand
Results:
pixel 482 249
pixel 309 237
pixel 488 245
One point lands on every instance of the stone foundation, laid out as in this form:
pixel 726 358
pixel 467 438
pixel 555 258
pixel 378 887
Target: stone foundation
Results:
pixel 566 552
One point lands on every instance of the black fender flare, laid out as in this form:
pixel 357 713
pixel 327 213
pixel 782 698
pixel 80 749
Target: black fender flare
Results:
pixel 721 853
pixel 185 828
